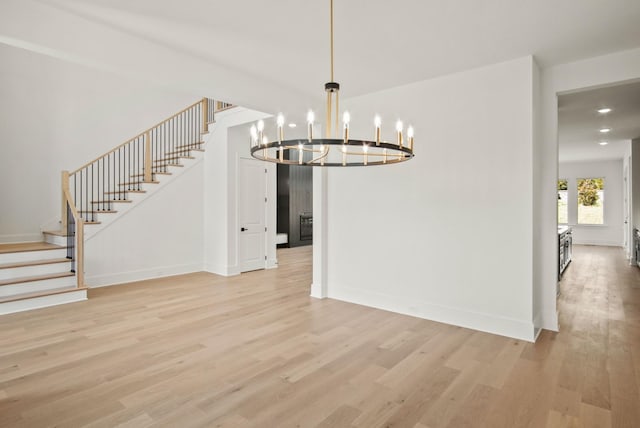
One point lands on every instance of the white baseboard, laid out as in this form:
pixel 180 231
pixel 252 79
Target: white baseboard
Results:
pixel 222 270
pixel 104 280
pixel 316 292
pixel 503 326
pixel 21 237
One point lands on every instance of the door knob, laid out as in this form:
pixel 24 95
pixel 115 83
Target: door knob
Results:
pixel 242 229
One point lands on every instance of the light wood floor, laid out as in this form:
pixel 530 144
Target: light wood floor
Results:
pixel 255 350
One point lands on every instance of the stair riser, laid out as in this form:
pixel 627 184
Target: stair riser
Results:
pixel 27 256
pixel 55 239
pixel 42 302
pixel 37 286
pixel 19 272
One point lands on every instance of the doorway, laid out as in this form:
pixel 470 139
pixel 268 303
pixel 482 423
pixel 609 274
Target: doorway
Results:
pixel 596 127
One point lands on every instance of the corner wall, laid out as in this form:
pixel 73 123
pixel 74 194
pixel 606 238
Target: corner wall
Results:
pixel 446 236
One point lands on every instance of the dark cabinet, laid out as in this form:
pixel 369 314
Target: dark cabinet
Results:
pixel 295 204
pixel 636 246
pixel 565 243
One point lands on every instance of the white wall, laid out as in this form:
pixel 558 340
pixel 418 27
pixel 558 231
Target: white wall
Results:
pixel 160 236
pixel 448 235
pixel 611 232
pixel 56 115
pixel 589 73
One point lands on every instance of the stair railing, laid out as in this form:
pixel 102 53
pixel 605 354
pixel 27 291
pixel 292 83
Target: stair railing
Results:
pixel 96 185
pixel 74 228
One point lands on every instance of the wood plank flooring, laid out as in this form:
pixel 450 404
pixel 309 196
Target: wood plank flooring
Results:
pixel 255 350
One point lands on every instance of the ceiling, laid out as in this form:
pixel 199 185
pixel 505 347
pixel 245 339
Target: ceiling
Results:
pixel 579 123
pixel 379 43
pixel 274 55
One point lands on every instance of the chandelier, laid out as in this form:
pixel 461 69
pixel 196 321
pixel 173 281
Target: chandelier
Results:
pixel 336 148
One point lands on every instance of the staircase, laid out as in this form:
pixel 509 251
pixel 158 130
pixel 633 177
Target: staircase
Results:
pixel 39 274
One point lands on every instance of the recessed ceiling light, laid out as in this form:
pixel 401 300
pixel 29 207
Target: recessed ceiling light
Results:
pixel 603 143
pixel 604 110
pixel 292 125
pixel 605 130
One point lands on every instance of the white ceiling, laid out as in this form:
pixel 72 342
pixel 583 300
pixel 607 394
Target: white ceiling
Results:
pixel 274 55
pixel 379 43
pixel 579 122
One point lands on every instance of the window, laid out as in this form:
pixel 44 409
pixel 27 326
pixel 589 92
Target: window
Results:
pixel 563 212
pixel 591 201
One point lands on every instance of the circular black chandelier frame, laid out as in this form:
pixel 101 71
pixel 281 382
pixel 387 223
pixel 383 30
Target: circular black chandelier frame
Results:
pixel 370 152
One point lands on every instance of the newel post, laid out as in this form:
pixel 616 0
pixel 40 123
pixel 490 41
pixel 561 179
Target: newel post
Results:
pixel 205 115
pixel 147 157
pixel 65 186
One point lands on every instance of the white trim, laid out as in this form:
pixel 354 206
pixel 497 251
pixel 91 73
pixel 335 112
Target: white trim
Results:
pixel 42 301
pixel 596 242
pixel 509 327
pixel 222 270
pixel 141 275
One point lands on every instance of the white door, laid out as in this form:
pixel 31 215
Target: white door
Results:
pixel 252 188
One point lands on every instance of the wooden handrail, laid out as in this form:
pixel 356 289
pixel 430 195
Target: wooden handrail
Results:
pixel 79 237
pixel 142 134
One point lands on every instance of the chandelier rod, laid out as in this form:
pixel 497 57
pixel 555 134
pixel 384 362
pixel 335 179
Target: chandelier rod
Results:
pixel 331 20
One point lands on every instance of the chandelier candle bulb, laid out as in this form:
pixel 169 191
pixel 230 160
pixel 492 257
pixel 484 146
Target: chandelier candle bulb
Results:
pixel 346 118
pixel 254 135
pixel 280 122
pixel 260 131
pixel 310 119
pixel 399 131
pixel 377 122
pixel 410 137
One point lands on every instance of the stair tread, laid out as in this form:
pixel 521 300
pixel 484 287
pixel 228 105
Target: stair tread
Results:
pixel 52 292
pixel 199 143
pixel 167 164
pixel 98 212
pixel 186 149
pixel 55 232
pixel 138 182
pixel 34 263
pixel 112 200
pixel 28 246
pixel 154 172
pixel 117 192
pixel 173 158
pixel 35 278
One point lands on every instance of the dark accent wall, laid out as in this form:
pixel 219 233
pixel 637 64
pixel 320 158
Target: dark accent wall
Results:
pixel 295 198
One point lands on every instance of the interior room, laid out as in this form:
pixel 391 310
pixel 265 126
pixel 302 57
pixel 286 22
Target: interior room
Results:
pixel 595 189
pixel 326 213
